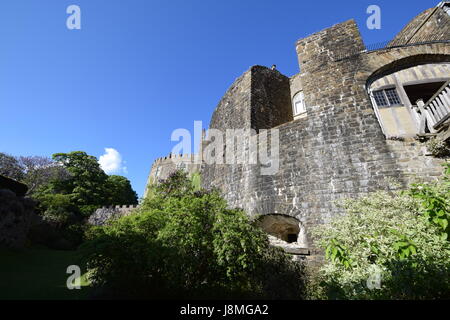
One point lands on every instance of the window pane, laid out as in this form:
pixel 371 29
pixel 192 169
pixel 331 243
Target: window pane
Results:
pixel 298 107
pixel 380 99
pixel 393 96
pixel 299 104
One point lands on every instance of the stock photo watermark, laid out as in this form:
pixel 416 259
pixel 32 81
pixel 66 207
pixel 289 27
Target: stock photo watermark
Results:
pixel 374 280
pixel 74 280
pixel 73 22
pixel 231 147
pixel 374 20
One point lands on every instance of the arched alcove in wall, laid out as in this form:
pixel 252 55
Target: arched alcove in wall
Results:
pixel 399 89
pixel 283 230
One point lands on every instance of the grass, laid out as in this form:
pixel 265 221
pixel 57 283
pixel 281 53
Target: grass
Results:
pixel 39 274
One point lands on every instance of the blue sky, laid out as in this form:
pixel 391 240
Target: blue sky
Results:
pixel 139 69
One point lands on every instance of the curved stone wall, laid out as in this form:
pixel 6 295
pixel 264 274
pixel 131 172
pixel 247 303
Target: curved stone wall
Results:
pixel 433 23
pixel 259 99
pixel 337 151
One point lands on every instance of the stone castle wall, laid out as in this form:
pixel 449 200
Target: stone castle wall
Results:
pixel 433 23
pixel 102 215
pixel 339 149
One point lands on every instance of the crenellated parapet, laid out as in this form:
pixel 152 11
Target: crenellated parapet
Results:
pixel 175 158
pixel 163 167
pixel 120 207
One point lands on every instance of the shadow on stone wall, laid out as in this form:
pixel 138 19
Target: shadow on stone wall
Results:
pixel 16 214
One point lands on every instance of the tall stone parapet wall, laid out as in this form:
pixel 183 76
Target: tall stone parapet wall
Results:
pixel 324 82
pixel 234 110
pixel 338 150
pixel 270 100
pixel 259 99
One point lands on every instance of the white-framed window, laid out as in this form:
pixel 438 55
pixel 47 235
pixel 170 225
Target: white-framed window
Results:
pixel 299 103
pixel 387 98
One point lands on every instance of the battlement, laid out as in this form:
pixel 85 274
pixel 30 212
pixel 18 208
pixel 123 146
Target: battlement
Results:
pixel 120 207
pixel 175 157
pixel 108 213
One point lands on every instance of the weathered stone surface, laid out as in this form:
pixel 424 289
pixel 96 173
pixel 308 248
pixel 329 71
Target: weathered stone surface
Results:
pixel 433 23
pixel 102 215
pixel 16 214
pixel 270 98
pixel 338 150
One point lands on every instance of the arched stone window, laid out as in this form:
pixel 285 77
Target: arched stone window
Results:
pixel 299 105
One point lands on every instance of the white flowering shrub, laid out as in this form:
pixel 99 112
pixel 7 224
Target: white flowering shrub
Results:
pixel 388 245
pixel 438 148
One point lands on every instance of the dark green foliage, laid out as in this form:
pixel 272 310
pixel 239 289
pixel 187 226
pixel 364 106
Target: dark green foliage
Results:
pixel 120 191
pixel 77 187
pixel 86 187
pixel 435 202
pixel 87 184
pixel 185 243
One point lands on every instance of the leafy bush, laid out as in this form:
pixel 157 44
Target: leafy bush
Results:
pixel 401 238
pixel 186 243
pixel 438 148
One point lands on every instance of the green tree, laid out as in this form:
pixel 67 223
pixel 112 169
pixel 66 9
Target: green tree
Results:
pixel 187 243
pixel 120 191
pixel 87 184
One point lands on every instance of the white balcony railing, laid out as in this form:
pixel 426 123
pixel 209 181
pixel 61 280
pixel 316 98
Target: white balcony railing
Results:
pixel 436 112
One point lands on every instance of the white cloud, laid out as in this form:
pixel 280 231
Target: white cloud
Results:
pixel 111 162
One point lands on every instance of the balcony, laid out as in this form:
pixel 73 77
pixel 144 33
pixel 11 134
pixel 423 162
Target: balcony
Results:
pixel 434 116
